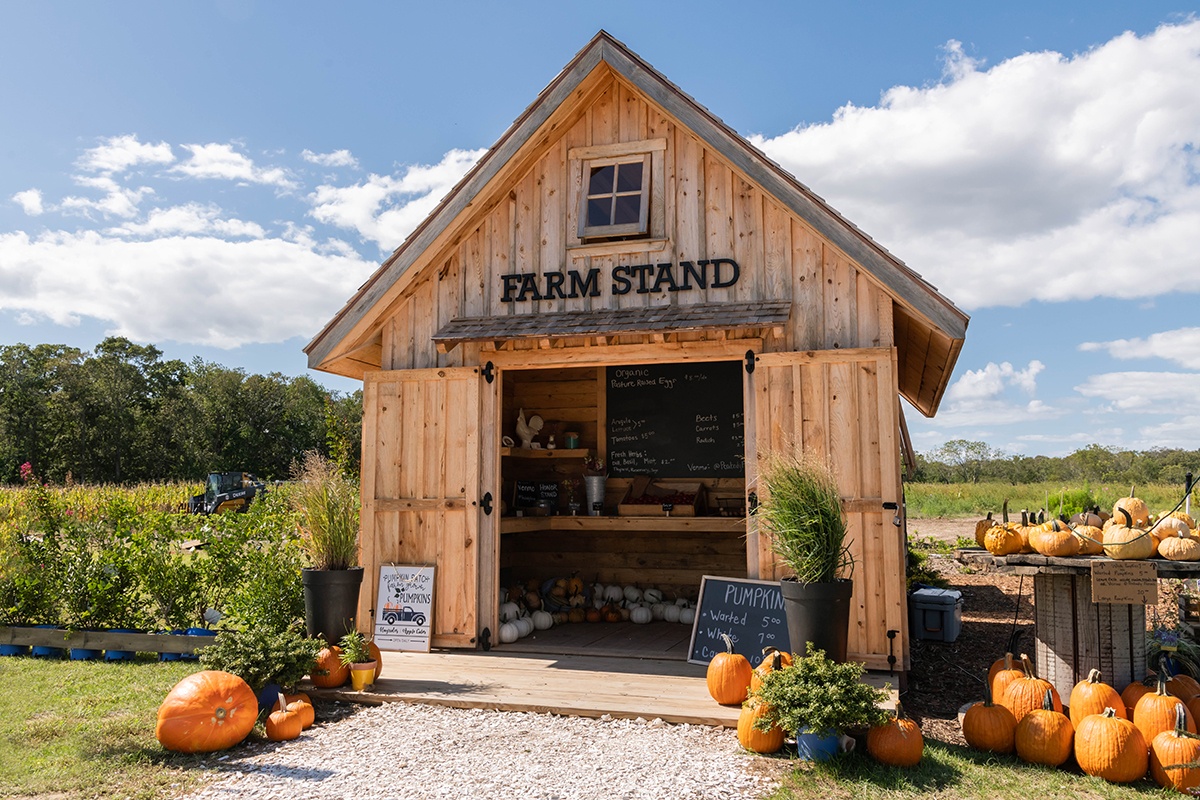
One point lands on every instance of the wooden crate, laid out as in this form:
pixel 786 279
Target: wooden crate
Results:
pixel 662 489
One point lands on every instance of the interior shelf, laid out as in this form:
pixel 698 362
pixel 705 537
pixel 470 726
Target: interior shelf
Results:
pixel 561 452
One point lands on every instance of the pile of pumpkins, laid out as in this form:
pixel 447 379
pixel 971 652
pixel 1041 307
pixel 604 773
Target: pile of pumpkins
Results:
pixel 539 605
pixel 732 681
pixel 1147 727
pixel 1128 533
pixel 214 710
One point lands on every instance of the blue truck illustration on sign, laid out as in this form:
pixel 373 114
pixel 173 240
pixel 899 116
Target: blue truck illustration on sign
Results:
pixel 392 615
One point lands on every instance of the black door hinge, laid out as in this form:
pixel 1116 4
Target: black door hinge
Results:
pixel 750 358
pixel 489 372
pixel 486 503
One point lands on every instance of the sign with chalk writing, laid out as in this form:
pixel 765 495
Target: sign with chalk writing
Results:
pixel 675 420
pixel 404 610
pixel 1124 582
pixel 749 611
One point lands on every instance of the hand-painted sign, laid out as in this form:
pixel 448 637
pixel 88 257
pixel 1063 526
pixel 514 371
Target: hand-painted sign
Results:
pixel 404 609
pixel 715 273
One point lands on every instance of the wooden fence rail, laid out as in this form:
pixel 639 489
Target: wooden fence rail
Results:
pixel 105 640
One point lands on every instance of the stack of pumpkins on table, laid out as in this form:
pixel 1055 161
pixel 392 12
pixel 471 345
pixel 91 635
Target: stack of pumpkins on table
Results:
pixel 214 710
pixel 1128 533
pixel 539 605
pixel 1117 737
pixel 732 681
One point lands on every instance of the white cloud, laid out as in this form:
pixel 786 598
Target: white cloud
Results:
pixel 30 201
pixel 1144 392
pixel 118 200
pixel 1044 177
pixel 119 153
pixel 385 209
pixel 1181 346
pixel 196 289
pixel 338 158
pixel 189 220
pixel 982 397
pixel 222 162
pixel 991 381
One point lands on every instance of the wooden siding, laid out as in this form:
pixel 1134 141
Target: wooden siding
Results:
pixel 420 489
pixel 702 208
pixel 840 405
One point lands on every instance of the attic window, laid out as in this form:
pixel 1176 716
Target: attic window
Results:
pixel 615 200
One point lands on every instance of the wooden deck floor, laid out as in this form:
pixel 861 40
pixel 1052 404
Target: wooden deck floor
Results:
pixel 578 670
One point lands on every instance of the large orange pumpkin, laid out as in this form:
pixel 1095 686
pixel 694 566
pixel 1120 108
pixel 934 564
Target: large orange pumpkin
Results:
pixel 897 743
pixel 1110 747
pixel 329 672
pixel 1172 754
pixel 728 675
pixel 1026 693
pixel 206 711
pixel 1155 712
pixel 1045 734
pixel 1092 696
pixel 990 727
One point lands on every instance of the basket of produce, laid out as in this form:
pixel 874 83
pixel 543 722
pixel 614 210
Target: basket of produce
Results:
pixel 648 498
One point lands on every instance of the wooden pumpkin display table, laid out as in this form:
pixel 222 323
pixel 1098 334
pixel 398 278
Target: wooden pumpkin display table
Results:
pixel 1074 634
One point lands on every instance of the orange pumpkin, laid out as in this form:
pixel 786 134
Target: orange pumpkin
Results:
pixel 329 672
pixel 283 724
pixel 1183 686
pixel 1045 735
pixel 1026 693
pixel 1110 747
pixel 1092 696
pixel 898 742
pixel 377 657
pixel 750 736
pixel 304 708
pixel 1155 712
pixel 1000 678
pixel 1134 692
pixel 1171 755
pixel 728 676
pixel 206 711
pixel 990 727
pixel 772 660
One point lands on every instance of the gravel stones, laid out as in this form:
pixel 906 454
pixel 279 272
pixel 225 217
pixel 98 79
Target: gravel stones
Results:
pixel 401 750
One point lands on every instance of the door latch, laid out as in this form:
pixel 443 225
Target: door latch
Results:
pixel 486 503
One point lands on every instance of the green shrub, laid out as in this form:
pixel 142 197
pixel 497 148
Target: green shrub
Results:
pixel 261 655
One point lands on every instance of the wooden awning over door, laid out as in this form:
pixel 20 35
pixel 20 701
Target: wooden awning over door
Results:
pixel 614 322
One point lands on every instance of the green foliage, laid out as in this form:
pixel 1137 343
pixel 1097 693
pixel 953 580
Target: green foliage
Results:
pixel 927 500
pixel 355 649
pixel 94 578
pixel 262 655
pixel 801 509
pixel 326 504
pixel 918 568
pixel 820 695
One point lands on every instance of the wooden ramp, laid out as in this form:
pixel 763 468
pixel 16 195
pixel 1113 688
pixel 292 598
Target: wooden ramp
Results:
pixel 518 679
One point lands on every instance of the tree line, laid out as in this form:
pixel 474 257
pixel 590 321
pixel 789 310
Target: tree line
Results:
pixel 123 414
pixel 962 461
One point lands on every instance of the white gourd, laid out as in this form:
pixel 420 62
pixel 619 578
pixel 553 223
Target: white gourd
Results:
pixel 509 612
pixel 640 615
pixel 682 602
pixel 509 632
pixel 542 620
pixel 652 596
pixel 632 594
pixel 657 610
pixel 524 626
pixel 613 594
pixel 671 613
pixel 687 616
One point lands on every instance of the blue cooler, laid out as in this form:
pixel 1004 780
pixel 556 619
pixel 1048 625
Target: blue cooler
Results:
pixel 935 614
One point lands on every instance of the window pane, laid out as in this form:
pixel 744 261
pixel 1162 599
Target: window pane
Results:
pixel 602 180
pixel 629 177
pixel 628 209
pixel 598 211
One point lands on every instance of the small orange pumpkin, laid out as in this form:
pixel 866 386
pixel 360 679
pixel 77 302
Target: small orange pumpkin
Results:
pixel 1025 693
pixel 283 724
pixel 1134 691
pixel 897 743
pixel 304 708
pixel 1173 755
pixel 1002 673
pixel 772 660
pixel 329 672
pixel 750 735
pixel 206 711
pixel 728 675
pixel 990 727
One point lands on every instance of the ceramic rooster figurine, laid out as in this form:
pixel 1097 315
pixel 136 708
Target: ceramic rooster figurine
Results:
pixel 526 431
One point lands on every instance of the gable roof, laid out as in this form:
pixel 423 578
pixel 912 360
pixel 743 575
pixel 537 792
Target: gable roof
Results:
pixel 936 327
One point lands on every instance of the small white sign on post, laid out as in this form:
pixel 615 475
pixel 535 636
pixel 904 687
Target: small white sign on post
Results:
pixel 404 608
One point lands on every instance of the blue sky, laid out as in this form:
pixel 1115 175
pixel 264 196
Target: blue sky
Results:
pixel 219 177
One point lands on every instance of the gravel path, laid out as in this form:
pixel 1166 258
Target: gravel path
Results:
pixel 399 750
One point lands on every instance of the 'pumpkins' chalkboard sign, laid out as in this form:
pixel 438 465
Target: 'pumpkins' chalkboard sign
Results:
pixel 749 611
pixel 675 420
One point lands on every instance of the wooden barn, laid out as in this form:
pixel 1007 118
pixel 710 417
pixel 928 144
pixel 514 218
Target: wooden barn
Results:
pixel 634 273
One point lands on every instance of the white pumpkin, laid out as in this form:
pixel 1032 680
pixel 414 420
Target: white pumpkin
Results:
pixel 657 611
pixel 613 594
pixel 524 626
pixel 542 620
pixel 509 632
pixel 640 615
pixel 682 602
pixel 509 612
pixel 671 613
pixel 652 596
pixel 687 615
pixel 632 594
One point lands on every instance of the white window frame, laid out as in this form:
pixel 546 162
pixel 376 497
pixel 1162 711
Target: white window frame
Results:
pixel 638 228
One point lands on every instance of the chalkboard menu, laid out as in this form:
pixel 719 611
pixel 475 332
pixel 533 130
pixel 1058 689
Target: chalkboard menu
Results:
pixel 675 420
pixel 528 494
pixel 749 611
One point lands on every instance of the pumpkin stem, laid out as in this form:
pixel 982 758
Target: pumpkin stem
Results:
pixel 1004 508
pixel 1128 518
pixel 1093 676
pixel 987 692
pixel 1048 701
pixel 1109 713
pixel 1027 665
pixel 1180 720
pixel 282 702
pixel 728 642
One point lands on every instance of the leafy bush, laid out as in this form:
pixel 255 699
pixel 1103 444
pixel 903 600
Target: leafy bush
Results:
pixel 262 655
pixel 819 695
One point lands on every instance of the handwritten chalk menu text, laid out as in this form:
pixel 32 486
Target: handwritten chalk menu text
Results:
pixel 750 612
pixel 675 420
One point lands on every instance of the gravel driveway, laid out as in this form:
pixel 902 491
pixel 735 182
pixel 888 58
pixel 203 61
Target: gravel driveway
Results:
pixel 399 750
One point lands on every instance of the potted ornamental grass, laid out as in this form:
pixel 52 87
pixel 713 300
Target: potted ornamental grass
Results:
pixel 801 510
pixel 326 504
pixel 818 701
pixel 356 654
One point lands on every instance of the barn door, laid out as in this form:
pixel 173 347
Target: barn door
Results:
pixel 842 405
pixel 421 488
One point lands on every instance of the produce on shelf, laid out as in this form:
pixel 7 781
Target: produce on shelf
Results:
pixel 1125 540
pixel 1054 539
pixel 1133 506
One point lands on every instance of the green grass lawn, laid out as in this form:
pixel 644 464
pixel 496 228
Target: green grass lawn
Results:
pixel 79 729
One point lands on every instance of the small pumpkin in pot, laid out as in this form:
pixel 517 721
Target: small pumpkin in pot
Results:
pixel 1110 747
pixel 897 743
pixel 728 676
pixel 989 727
pixel 1123 540
pixel 1174 755
pixel 1093 696
pixel 1025 694
pixel 1045 735
pixel 206 711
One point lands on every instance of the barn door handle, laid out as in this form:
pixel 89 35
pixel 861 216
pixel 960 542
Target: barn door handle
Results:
pixel 486 503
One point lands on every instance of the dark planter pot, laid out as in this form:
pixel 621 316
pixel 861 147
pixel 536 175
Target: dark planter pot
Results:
pixel 818 613
pixel 331 601
pixel 817 746
pixel 171 656
pixel 42 651
pixel 120 655
pixel 14 649
pixel 268 698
